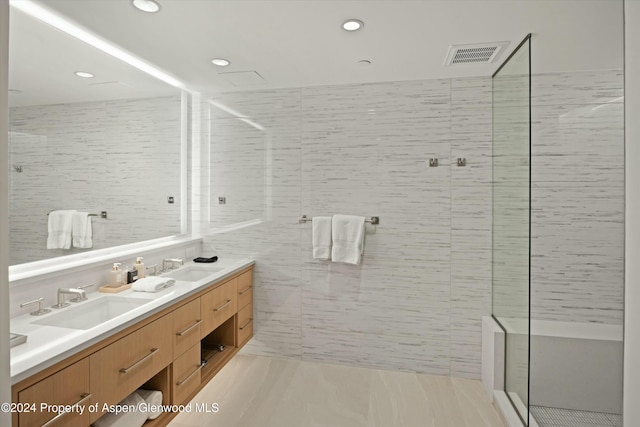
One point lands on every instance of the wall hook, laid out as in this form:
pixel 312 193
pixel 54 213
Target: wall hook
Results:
pixel 462 161
pixel 433 163
pixel 18 168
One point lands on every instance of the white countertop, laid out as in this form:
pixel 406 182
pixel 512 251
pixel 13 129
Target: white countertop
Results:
pixel 47 345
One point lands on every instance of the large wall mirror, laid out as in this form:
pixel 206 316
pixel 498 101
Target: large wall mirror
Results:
pixel 107 143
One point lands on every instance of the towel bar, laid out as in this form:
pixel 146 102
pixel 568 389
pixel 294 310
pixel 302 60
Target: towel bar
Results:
pixel 102 214
pixel 374 220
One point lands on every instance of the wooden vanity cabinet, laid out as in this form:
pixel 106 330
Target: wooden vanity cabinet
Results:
pixel 245 289
pixel 218 305
pixel 185 374
pixel 68 386
pixel 162 352
pixel 186 327
pixel 120 368
pixel 245 308
pixel 245 324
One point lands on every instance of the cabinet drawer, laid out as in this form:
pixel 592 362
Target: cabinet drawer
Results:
pixel 186 327
pixel 185 374
pixel 123 366
pixel 218 305
pixel 65 387
pixel 245 288
pixel 245 324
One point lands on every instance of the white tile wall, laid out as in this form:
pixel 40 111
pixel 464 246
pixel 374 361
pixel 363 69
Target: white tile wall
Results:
pixel 511 204
pixel 470 222
pixel 417 300
pixel 577 259
pixel 121 156
pixel 363 150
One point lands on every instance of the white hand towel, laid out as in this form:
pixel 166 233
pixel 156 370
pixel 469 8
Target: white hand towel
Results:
pixel 122 419
pixel 152 284
pixel 321 236
pixel 348 238
pixel 82 232
pixel 153 399
pixel 60 228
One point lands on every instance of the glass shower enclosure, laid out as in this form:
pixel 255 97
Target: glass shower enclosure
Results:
pixel 511 88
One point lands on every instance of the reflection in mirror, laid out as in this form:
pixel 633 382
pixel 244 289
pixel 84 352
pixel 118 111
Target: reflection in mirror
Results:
pixel 240 153
pixel 110 143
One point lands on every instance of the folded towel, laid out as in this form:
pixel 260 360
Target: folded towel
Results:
pixel 321 236
pixel 82 232
pixel 347 232
pixel 206 260
pixel 122 419
pixel 60 228
pixel 152 284
pixel 153 398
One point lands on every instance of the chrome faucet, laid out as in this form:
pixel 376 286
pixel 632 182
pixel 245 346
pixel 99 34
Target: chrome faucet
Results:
pixel 173 262
pixel 40 311
pixel 149 267
pixel 80 296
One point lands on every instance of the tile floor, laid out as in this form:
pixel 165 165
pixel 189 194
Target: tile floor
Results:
pixel 558 417
pixel 267 392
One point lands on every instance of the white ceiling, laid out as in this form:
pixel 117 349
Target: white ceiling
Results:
pixel 43 60
pixel 294 43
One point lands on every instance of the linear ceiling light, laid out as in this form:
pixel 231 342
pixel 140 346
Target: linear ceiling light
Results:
pixel 46 16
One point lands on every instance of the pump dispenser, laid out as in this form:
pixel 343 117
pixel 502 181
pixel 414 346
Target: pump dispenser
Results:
pixel 139 265
pixel 116 276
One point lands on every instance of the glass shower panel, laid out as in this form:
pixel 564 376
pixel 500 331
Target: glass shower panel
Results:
pixel 511 218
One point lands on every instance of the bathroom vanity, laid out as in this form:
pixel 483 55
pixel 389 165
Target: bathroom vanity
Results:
pixel 173 347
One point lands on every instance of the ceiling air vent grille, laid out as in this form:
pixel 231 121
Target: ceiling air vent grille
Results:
pixel 481 54
pixel 484 53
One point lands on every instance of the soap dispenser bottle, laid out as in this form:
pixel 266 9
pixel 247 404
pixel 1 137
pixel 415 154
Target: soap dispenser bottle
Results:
pixel 116 276
pixel 139 266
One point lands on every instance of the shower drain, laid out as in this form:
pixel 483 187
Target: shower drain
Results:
pixel 558 417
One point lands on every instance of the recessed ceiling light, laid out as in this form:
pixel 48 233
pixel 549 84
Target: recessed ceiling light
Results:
pixel 15 91
pixel 352 25
pixel 146 5
pixel 220 62
pixel 363 63
pixel 84 74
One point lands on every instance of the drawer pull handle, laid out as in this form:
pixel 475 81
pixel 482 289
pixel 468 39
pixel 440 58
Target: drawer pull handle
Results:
pixel 179 383
pixel 189 329
pixel 246 324
pixel 54 420
pixel 245 290
pixel 135 365
pixel 223 305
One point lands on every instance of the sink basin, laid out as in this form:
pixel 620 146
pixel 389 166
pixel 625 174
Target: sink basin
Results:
pixel 91 313
pixel 192 273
